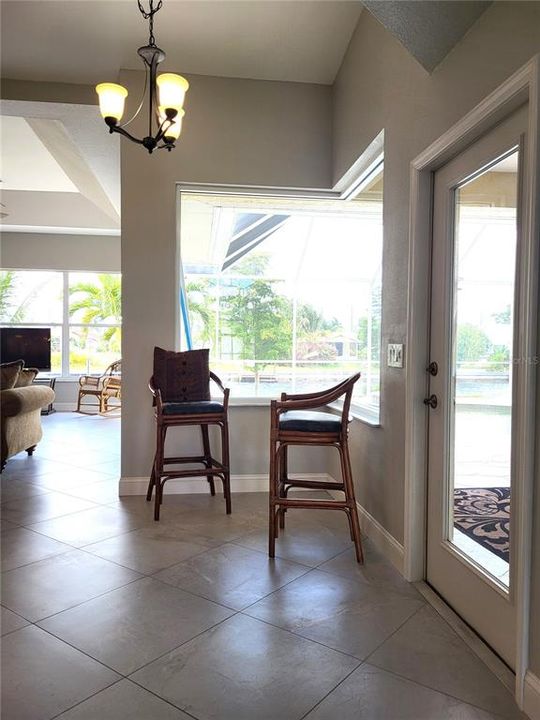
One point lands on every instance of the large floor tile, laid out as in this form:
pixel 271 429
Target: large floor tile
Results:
pixel 102 492
pixel 129 627
pixel 36 508
pixel 18 489
pixel 244 669
pixel 110 466
pixel 376 570
pixel 305 540
pixel 42 676
pixel 21 546
pixel 179 506
pixel 232 575
pixel 149 549
pixel 124 701
pixel 10 621
pixel 70 478
pixel 219 527
pixel 23 467
pixel 372 694
pixel 343 614
pixel 89 526
pixel 7 525
pixel 49 586
pixel 244 504
pixel 427 651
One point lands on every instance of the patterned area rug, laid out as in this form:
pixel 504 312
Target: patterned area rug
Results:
pixel 484 515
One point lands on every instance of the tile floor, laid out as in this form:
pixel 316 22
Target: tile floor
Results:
pixel 107 615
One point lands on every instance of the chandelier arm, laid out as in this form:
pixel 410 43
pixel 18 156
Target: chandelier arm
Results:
pixel 165 125
pixel 142 100
pixel 119 129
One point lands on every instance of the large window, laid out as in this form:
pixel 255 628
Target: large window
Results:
pixel 83 311
pixel 285 292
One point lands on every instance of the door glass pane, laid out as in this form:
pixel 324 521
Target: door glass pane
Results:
pixel 481 377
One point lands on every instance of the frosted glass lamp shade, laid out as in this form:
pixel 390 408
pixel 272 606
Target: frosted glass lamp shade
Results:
pixel 172 90
pixel 111 100
pixel 175 129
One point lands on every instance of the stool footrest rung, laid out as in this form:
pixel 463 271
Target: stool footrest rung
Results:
pixel 316 485
pixel 184 459
pixel 188 460
pixel 310 504
pixel 203 472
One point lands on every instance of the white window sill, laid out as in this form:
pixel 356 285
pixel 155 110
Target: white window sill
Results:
pixel 362 414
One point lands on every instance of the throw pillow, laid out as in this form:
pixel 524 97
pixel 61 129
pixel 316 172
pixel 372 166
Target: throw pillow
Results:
pixel 26 377
pixel 9 374
pixel 182 376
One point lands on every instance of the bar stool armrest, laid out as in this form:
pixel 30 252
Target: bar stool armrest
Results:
pixel 224 390
pixel 156 392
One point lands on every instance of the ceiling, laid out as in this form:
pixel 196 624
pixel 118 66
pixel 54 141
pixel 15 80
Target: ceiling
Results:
pixel 88 42
pixel 428 30
pixel 61 171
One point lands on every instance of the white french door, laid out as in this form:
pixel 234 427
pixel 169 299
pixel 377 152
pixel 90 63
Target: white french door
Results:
pixel 471 520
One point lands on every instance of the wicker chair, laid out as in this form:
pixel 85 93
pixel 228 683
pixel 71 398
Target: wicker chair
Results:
pixel 103 388
pixel 293 422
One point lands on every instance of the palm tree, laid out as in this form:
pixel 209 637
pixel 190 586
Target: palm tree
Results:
pixel 8 313
pixel 99 302
pixel 201 310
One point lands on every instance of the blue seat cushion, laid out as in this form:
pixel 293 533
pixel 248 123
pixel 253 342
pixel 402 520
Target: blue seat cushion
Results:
pixel 308 421
pixel 194 407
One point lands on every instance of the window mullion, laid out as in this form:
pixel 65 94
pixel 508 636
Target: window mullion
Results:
pixel 65 325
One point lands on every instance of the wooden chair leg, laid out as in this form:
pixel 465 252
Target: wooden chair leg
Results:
pixel 207 457
pixel 351 501
pixel 283 477
pixel 152 480
pixel 158 469
pixel 225 462
pixel 272 505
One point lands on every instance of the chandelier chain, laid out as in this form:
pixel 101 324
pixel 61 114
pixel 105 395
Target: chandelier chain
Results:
pixel 149 15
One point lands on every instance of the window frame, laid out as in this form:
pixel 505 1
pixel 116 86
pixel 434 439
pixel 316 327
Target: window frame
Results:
pixel 65 325
pixel 360 175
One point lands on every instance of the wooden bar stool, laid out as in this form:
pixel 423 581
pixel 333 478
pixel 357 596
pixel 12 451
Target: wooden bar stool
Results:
pixel 181 389
pixel 293 422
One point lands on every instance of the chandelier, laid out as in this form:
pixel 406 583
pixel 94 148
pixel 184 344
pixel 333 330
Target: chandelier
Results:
pixel 167 92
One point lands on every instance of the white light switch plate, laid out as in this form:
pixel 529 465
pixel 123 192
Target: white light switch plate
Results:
pixel 395 355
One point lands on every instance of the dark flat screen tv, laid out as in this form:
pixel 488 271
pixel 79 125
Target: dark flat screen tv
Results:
pixel 33 345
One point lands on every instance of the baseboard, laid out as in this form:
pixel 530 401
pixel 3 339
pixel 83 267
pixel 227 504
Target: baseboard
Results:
pixel 239 483
pixel 379 536
pixel 65 406
pixel 531 696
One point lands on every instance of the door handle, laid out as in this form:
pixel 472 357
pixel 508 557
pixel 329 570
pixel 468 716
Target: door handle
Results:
pixel 431 401
pixel 432 368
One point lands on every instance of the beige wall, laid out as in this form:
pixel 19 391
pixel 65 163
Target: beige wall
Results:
pixel 238 132
pixel 381 86
pixel 44 251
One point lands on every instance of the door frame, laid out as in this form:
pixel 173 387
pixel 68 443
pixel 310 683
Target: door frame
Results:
pixel 523 86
